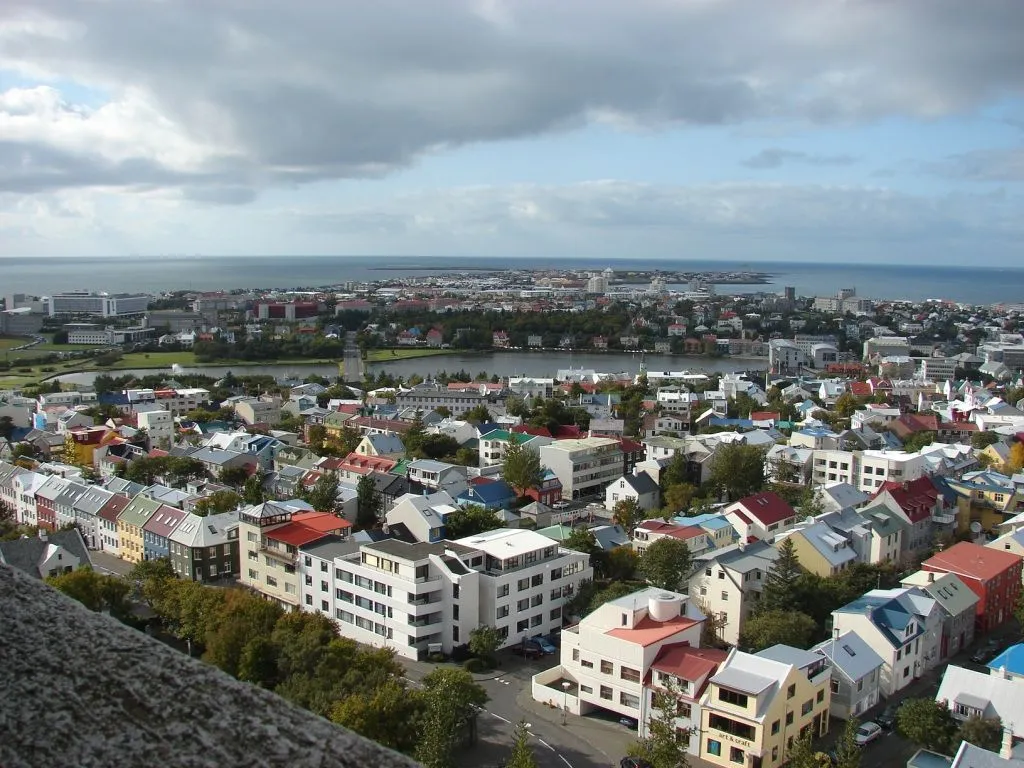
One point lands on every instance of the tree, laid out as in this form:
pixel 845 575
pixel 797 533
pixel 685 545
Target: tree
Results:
pixel 414 435
pixel 521 755
pixel 368 502
pixel 470 519
pixel 738 470
pixel 316 434
pixel 769 628
pixel 521 467
pixel 243 619
pixel 714 624
pixel 981 440
pixel 984 732
pixel 7 430
pixel 478 414
pixel 452 698
pixel 677 497
pixel 847 752
pixel 621 563
pixel 810 503
pixel 97 592
pixel 387 715
pixel 252 490
pixel 323 496
pixel 151 577
pixel 780 585
pixel 846 404
pixel 234 476
pixel 918 440
pixel 181 469
pixel 628 514
pixel 927 723
pixel 189 609
pixel 803 755
pixel 665 743
pixel 666 563
pixel 1018 608
pixel 1015 462
pixel 484 642
pixel 217 503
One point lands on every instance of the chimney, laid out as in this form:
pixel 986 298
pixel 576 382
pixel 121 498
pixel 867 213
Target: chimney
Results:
pixel 931 577
pixel 835 633
pixel 1006 747
pixel 42 534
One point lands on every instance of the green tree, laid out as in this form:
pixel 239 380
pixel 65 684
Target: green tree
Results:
pixel 629 514
pixel 217 503
pixel 181 469
pixel 521 467
pixel 369 502
pixel 521 755
pixel 666 563
pixel 151 577
pixel 234 476
pixel 413 437
pixel 582 540
pixel 665 743
pixel 388 715
pixel 471 519
pixel 677 497
pixel 984 439
pixel 847 752
pixel 452 699
pixel 323 496
pixel 97 592
pixel 781 583
pixel 1018 608
pixel 7 430
pixel 918 440
pixel 243 619
pixel 769 628
pixel 984 732
pixel 620 564
pixel 927 723
pixel 803 755
pixel 478 414
pixel 738 470
pixel 484 642
pixel 810 503
pixel 189 610
pixel 846 404
pixel 252 490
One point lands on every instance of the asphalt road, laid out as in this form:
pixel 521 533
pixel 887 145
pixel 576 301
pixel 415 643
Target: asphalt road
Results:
pixel 107 563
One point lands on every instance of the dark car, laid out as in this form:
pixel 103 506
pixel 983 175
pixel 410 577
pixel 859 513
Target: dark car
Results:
pixel 985 652
pixel 634 762
pixel 527 650
pixel 887 719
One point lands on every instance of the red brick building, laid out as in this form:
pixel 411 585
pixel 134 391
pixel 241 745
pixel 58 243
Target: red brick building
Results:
pixel 993 575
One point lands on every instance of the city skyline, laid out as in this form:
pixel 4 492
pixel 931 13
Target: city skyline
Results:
pixel 795 131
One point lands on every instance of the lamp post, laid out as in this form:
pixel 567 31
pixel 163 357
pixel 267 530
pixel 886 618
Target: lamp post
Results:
pixel 565 699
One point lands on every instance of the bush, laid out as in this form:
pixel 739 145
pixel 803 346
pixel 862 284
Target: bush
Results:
pixel 437 658
pixel 475 665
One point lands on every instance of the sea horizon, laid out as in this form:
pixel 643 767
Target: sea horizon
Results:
pixel 158 274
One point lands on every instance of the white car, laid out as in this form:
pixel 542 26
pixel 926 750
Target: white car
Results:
pixel 867 733
pixel 560 504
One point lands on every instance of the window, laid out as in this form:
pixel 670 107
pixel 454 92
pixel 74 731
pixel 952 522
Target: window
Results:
pixel 629 674
pixel 775 754
pixel 324 606
pixel 536 621
pixel 523 604
pixel 721 574
pixel 791 691
pixel 536 600
pixel 455 634
pixel 629 700
pixel 522 625
pixel 556 593
pixel 806 707
pixel 685 711
pixel 606 692
pixel 725 595
pixel 271 581
pixel 789 718
pixel 714 748
pixel 309 599
pixel 575 654
pixel 537 580
pixel 586 689
pixel 821 696
pixel 556 613
pixel 309 580
pixel 703 591
pixel 523 585
pixel 502 612
pixel 323 586
pixel 253 574
pixel 556 574
pixel 735 755
pixel 503 590
pixel 834 685
pixel 323 566
pixel 587 664
pixel 735 698
pixel 860 684
pixel 707 571
pixel 775 727
pixel 606 667
pixel 455 613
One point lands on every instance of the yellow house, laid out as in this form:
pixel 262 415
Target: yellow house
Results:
pixel 821 550
pixel 757 705
pixel 80 444
pixel 1009 542
pixel 129 527
pixel 986 498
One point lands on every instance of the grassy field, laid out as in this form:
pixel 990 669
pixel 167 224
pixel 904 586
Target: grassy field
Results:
pixel 384 355
pixel 8 342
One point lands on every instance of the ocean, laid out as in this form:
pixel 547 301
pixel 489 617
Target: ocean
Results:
pixel 43 276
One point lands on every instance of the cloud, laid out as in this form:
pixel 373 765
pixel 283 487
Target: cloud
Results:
pixel 999 165
pixel 255 95
pixel 774 157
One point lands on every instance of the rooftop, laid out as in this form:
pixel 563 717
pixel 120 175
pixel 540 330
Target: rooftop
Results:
pixel 503 543
pixel 968 559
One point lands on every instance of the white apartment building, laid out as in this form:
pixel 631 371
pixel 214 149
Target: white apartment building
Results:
pixel 25 487
pixel 529 388
pixel 494 444
pixel 177 401
pixel 417 598
pixel 727 583
pixel 100 304
pixel 159 424
pixel 584 466
pixel 608 655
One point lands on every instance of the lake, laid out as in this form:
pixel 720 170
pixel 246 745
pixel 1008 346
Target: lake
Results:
pixel 539 364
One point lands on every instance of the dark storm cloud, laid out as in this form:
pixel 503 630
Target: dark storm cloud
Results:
pixel 285 93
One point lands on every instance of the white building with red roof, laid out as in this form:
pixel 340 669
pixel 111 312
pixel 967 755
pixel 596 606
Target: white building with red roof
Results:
pixel 684 670
pixel 761 516
pixel 649 531
pixel 608 656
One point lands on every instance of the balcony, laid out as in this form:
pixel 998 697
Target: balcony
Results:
pixel 280 555
pixel 425 599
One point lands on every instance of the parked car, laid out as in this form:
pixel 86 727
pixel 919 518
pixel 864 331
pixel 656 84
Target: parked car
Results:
pixel 629 722
pixel 527 650
pixel 985 652
pixel 867 733
pixel 634 762
pixel 888 717
pixel 561 504
pixel 543 644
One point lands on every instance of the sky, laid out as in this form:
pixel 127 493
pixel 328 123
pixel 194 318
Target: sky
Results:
pixel 796 130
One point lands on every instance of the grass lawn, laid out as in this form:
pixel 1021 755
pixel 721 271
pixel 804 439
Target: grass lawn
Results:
pixel 384 355
pixel 9 342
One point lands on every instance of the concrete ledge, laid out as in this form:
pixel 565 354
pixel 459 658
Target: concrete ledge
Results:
pixel 80 689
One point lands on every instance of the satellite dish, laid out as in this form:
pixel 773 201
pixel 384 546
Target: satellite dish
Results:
pixel 975 527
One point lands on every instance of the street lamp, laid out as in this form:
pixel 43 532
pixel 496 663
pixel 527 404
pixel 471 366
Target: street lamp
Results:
pixel 566 685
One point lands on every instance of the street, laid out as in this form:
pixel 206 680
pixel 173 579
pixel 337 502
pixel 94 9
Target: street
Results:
pixel 103 562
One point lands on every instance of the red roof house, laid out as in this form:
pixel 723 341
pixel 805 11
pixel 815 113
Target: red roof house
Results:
pixel 992 574
pixel 761 515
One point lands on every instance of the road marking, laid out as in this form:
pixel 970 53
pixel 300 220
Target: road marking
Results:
pixel 494 714
pixel 546 744
pixel 565 761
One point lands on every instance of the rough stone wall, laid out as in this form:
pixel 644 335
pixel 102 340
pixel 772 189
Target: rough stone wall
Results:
pixel 81 690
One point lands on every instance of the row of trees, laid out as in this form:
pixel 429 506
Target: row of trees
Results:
pixel 300 657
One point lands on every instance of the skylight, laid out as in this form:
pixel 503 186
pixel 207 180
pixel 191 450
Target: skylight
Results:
pixel 849 650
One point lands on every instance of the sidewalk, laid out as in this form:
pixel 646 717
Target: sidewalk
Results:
pixel 419 669
pixel 610 739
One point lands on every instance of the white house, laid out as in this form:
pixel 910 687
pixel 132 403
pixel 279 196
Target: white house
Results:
pixel 639 487
pixel 422 516
pixel 728 582
pixel 975 694
pixel 762 516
